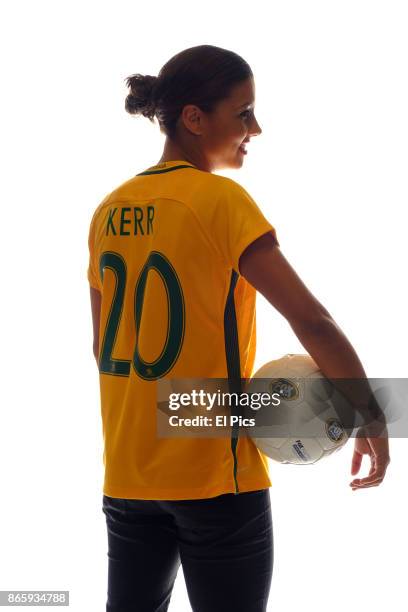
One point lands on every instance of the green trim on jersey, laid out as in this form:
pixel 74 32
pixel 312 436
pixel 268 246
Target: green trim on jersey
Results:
pixel 165 170
pixel 233 361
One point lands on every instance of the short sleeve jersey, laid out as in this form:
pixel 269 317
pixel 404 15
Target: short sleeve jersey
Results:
pixel 164 249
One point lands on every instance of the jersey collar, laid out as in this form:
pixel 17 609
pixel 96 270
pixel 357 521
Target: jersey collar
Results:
pixel 167 166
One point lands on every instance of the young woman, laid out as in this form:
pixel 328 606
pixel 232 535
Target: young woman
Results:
pixel 176 256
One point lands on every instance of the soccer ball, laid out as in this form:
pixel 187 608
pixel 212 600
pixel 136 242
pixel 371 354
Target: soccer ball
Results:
pixel 304 425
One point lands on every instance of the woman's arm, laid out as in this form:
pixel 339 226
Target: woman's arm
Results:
pixel 265 267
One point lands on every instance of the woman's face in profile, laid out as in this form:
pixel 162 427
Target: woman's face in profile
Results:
pixel 231 123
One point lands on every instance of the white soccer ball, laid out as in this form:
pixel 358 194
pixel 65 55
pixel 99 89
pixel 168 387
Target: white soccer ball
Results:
pixel 305 426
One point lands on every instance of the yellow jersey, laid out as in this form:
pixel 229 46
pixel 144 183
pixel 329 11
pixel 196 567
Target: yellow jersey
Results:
pixel 164 249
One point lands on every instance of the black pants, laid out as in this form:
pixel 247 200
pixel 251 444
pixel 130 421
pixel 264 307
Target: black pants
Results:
pixel 224 544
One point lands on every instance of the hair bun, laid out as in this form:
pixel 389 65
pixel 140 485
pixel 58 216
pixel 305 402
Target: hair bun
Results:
pixel 141 99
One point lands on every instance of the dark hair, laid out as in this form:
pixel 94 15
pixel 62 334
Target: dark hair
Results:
pixel 201 75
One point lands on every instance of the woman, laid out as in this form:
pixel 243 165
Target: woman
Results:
pixel 176 256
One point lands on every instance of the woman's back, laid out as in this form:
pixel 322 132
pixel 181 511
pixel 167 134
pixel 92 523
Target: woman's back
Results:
pixel 164 251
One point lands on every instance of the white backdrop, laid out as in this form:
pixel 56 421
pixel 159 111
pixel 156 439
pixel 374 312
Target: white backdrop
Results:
pixel 330 173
